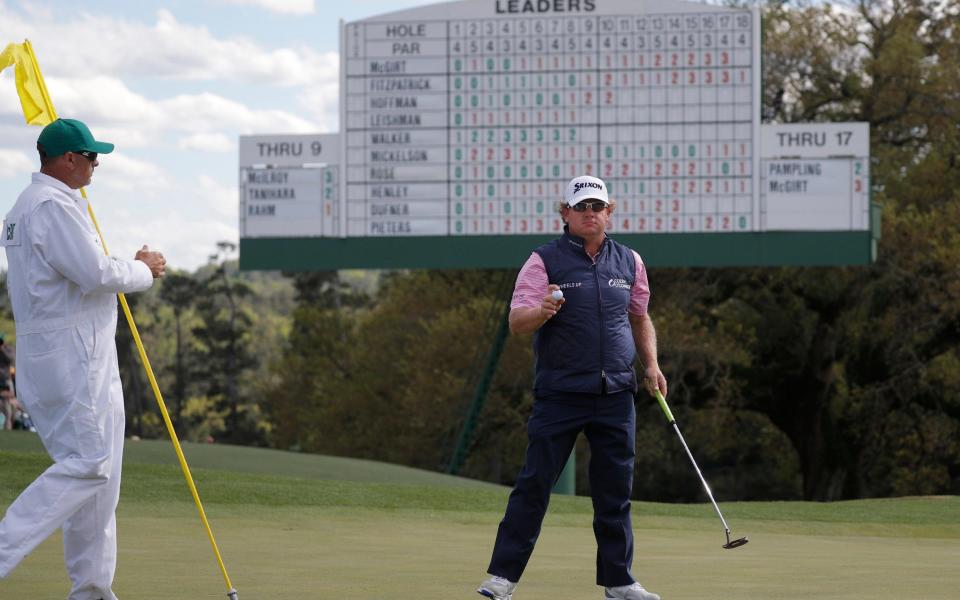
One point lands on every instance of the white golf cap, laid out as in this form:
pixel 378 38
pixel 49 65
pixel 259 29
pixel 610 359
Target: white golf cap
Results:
pixel 583 188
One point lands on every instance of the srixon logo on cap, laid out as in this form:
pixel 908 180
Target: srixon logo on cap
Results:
pixel 582 184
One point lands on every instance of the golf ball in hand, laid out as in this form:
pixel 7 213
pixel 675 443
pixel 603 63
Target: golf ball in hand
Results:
pixel 557 294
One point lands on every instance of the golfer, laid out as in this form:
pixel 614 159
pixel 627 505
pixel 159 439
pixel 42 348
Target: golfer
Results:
pixel 585 344
pixel 62 287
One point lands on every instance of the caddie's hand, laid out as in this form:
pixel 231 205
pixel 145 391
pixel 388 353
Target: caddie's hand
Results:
pixel 154 260
pixel 549 306
pixel 653 380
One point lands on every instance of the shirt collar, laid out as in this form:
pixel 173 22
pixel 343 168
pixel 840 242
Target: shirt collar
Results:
pixel 44 179
pixel 580 243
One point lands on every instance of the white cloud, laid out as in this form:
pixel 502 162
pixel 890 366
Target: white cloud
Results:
pixel 121 172
pixel 205 112
pixel 186 243
pixel 15 164
pixel 287 7
pixel 173 97
pixel 207 142
pixel 224 199
pixel 168 48
pixel 130 120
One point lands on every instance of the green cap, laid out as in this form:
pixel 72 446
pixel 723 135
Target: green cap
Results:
pixel 69 135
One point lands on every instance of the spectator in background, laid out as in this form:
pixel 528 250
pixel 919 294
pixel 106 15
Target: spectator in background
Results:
pixel 8 401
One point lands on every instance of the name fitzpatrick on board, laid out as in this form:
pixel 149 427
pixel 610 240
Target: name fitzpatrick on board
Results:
pixel 544 6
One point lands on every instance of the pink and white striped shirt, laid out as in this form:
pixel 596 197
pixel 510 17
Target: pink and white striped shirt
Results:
pixel 532 284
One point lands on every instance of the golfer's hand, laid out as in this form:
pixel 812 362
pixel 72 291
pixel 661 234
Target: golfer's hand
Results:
pixel 653 380
pixel 549 306
pixel 154 260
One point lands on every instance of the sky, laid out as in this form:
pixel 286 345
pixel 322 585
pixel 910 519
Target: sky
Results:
pixel 174 84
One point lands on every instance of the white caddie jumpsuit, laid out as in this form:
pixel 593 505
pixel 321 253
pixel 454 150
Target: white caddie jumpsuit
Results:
pixel 62 288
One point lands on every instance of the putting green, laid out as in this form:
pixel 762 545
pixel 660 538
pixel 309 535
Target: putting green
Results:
pixel 304 538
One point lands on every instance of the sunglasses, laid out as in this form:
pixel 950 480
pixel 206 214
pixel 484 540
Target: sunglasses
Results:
pixel 596 206
pixel 91 156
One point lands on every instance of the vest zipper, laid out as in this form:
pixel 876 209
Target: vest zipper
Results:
pixel 603 373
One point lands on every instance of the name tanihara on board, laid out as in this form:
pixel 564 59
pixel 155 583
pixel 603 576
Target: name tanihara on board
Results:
pixel 272 194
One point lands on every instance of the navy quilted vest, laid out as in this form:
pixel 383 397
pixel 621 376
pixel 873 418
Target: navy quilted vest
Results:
pixel 587 346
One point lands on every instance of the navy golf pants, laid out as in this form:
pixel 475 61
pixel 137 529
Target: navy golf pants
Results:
pixel 609 422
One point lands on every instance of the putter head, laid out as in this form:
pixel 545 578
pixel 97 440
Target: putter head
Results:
pixel 731 544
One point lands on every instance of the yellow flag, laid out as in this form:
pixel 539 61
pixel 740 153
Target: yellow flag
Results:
pixel 36 109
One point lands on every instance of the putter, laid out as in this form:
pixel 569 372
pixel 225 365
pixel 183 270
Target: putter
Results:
pixel 731 544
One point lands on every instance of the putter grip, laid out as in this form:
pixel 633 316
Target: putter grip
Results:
pixel 664 407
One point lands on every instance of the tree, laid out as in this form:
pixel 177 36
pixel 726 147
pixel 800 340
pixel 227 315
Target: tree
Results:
pixel 224 335
pixel 179 291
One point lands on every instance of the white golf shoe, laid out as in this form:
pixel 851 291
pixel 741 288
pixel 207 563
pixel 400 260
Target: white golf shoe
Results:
pixel 497 588
pixel 634 591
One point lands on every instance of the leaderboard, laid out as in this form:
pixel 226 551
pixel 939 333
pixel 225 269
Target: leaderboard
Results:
pixel 467 118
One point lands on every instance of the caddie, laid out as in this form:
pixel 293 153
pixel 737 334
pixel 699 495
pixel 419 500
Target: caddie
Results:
pixel 63 290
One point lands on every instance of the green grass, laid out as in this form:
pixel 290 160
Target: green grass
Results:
pixel 259 460
pixel 302 527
